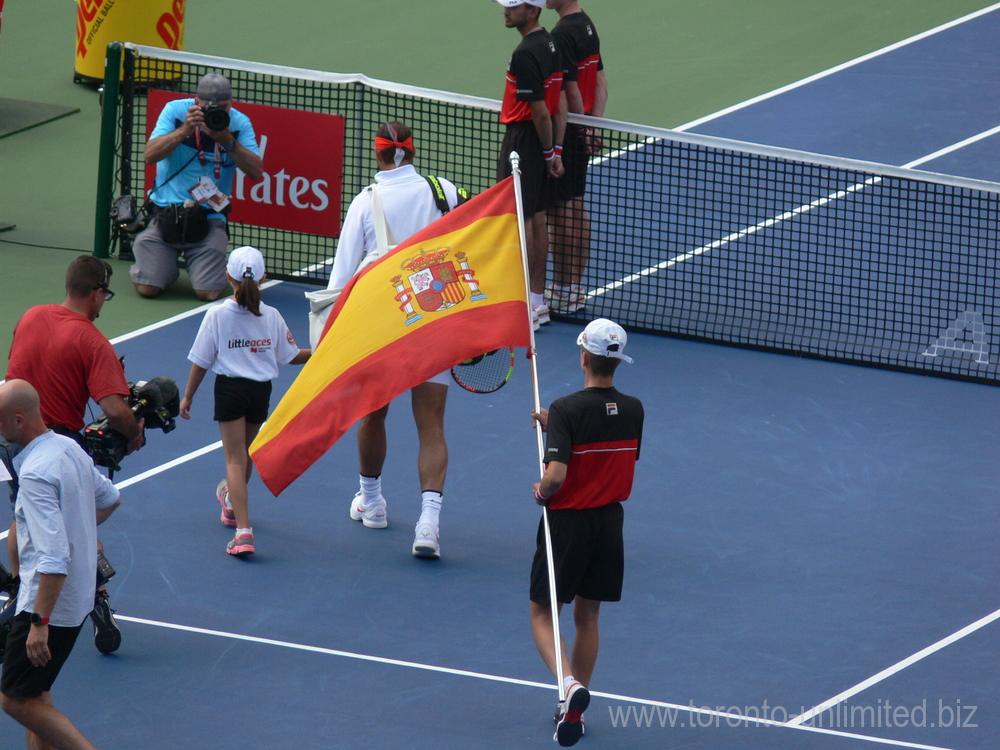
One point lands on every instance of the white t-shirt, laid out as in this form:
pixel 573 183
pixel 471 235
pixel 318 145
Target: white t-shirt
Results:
pixel 233 341
pixel 409 206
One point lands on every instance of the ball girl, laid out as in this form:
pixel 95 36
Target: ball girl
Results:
pixel 242 341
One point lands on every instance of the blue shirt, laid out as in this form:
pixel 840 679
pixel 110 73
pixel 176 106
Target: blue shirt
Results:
pixel 173 188
pixel 58 494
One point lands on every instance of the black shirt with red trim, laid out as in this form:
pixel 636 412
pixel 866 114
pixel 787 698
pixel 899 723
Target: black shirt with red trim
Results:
pixel 534 74
pixel 597 433
pixel 580 49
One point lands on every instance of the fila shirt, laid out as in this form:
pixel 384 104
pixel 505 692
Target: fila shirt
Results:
pixel 580 48
pixel 534 74
pixel 596 432
pixel 232 341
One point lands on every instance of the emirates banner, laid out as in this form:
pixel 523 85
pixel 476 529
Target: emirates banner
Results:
pixel 303 156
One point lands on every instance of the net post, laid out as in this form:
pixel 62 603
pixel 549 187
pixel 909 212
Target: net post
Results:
pixel 106 164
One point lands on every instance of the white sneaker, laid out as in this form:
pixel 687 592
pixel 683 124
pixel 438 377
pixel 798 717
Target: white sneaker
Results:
pixel 570 727
pixel 426 541
pixel 565 302
pixel 373 517
pixel 542 312
pixel 535 325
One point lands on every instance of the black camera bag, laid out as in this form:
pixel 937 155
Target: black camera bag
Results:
pixel 182 225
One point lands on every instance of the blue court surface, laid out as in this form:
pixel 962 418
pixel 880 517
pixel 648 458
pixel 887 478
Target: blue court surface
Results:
pixel 811 547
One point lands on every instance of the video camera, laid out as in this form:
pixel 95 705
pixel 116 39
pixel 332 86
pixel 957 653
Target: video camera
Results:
pixel 157 401
pixel 216 117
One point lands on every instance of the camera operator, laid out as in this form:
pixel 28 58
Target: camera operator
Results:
pixel 59 350
pixel 197 145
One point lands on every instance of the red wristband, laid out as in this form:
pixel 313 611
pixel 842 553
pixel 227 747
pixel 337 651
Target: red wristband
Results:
pixel 549 154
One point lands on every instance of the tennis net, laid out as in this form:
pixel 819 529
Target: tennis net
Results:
pixel 692 236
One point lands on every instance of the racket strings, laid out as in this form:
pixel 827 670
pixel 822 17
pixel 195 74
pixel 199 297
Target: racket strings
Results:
pixel 486 373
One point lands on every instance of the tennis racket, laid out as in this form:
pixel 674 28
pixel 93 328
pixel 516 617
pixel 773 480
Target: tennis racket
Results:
pixel 487 372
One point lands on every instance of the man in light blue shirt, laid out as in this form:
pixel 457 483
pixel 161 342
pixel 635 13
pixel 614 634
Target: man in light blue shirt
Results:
pixel 61 499
pixel 196 161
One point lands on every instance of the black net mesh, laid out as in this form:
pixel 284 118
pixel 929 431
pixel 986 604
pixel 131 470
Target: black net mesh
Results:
pixel 689 236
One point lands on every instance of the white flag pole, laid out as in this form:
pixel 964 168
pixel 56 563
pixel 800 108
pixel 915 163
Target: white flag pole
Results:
pixel 515 161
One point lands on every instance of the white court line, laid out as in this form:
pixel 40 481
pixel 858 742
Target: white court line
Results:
pixel 720 715
pixel 898 667
pixel 954 147
pixel 180 316
pixel 839 68
pixel 168 465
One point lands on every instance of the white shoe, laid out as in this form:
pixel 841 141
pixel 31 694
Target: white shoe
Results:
pixel 426 541
pixel 570 727
pixel 373 517
pixel 535 325
pixel 542 313
pixel 565 302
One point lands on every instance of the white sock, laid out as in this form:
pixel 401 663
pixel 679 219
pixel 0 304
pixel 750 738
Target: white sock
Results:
pixel 537 300
pixel 430 507
pixel 242 532
pixel 371 490
pixel 562 289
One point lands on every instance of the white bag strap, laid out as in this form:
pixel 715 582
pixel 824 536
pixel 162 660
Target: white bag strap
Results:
pixel 383 234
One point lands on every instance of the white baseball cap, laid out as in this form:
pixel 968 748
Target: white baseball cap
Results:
pixel 512 3
pixel 246 262
pixel 605 338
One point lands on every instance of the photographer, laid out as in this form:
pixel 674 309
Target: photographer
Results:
pixel 59 350
pixel 197 145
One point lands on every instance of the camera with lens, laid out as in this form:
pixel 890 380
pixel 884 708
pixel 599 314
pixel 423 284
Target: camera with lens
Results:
pixel 157 401
pixel 126 216
pixel 216 116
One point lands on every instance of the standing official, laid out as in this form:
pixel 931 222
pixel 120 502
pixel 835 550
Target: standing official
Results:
pixel 196 145
pixel 535 125
pixel 585 88
pixel 60 500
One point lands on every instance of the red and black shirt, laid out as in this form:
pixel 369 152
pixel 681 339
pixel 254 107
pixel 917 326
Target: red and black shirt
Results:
pixel 534 74
pixel 580 48
pixel 597 433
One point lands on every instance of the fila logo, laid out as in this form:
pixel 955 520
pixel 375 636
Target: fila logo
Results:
pixel 612 408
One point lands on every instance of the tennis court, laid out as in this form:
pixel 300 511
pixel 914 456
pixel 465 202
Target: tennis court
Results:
pixel 810 546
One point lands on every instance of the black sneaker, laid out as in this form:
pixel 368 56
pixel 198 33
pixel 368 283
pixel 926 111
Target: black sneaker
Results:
pixel 107 636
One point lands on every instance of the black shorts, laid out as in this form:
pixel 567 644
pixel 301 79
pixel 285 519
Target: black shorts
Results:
pixel 538 191
pixel 241 397
pixel 573 184
pixel 589 555
pixel 21 679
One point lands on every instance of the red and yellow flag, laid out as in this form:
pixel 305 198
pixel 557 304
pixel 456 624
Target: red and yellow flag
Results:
pixel 452 291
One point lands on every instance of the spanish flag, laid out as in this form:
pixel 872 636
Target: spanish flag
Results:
pixel 452 291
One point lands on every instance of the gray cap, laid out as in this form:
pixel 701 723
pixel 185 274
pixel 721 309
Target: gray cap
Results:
pixel 214 87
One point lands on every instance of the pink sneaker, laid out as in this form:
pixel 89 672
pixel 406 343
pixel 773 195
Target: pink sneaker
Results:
pixel 228 518
pixel 241 545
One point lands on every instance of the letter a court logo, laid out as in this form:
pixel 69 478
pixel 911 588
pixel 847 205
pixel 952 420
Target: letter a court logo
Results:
pixel 434 283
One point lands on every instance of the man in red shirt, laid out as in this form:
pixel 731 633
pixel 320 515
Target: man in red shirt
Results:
pixel 59 350
pixel 585 88
pixel 593 442
pixel 535 124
